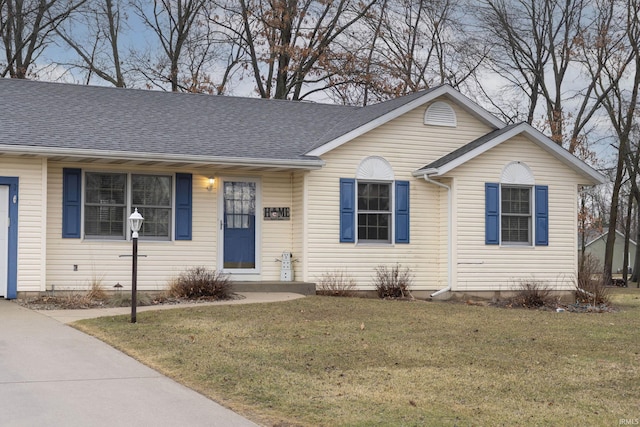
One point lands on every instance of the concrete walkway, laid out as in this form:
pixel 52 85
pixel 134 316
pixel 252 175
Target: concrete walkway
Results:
pixel 53 375
pixel 70 316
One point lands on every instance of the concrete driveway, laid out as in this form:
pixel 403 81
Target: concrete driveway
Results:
pixel 53 375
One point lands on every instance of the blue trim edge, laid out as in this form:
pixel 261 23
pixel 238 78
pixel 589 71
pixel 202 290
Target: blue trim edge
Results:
pixel 184 203
pixel 347 210
pixel 402 212
pixel 542 215
pixel 71 203
pixel 12 266
pixel 492 213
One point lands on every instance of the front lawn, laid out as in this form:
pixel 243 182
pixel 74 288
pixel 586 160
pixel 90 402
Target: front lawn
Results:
pixel 362 362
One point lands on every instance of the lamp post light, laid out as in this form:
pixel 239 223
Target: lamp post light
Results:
pixel 136 223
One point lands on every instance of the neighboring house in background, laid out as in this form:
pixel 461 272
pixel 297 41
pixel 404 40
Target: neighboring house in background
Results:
pixel 430 180
pixel 596 248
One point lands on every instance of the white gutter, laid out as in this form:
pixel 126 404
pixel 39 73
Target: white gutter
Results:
pixel 449 234
pixel 162 157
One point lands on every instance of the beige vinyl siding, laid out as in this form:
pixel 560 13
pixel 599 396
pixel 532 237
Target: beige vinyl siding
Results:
pixel 277 235
pixel 110 261
pixel 497 267
pixel 298 220
pixel 31 173
pixel 407 144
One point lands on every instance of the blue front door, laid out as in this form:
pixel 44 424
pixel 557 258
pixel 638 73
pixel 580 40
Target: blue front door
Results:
pixel 239 225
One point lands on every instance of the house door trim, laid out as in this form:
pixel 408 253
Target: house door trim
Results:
pixel 12 253
pixel 258 225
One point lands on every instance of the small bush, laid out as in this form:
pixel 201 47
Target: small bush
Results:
pixel 393 282
pixel 201 283
pixel 591 289
pixel 533 294
pixel 336 284
pixel 96 291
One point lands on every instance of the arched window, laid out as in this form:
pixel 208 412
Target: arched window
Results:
pixel 516 208
pixel 374 207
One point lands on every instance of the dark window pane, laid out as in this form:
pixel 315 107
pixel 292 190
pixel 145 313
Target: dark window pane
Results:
pixel 374 211
pixel 105 204
pixel 515 200
pixel 239 203
pixel 374 227
pixel 104 221
pixel 515 229
pixel 151 195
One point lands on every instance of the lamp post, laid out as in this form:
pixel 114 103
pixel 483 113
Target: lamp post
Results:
pixel 136 223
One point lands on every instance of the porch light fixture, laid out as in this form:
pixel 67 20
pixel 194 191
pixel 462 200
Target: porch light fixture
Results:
pixel 212 181
pixel 135 220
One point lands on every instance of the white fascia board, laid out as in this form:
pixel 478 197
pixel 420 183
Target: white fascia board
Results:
pixel 162 157
pixel 421 172
pixel 539 139
pixel 444 90
pixel 474 109
pixel 476 152
pixel 563 155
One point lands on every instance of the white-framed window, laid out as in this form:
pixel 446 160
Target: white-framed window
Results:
pixel 109 197
pixel 516 209
pixel 374 212
pixel 374 206
pixel 515 215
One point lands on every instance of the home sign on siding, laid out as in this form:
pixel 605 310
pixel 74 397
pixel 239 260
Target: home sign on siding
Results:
pixel 277 214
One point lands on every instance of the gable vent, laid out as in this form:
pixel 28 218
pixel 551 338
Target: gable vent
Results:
pixel 440 114
pixel 375 167
pixel 517 173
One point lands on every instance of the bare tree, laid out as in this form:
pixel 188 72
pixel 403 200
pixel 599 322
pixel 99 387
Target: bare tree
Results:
pixel 290 46
pixel 26 27
pixel 619 86
pixel 410 45
pixel 179 26
pixel 97 45
pixel 539 49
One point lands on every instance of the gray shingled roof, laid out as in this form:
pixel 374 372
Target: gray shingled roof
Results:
pixel 468 147
pixel 45 115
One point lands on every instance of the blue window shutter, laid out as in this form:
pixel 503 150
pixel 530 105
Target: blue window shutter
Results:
pixel 71 202
pixel 184 190
pixel 347 210
pixel 492 213
pixel 542 215
pixel 402 212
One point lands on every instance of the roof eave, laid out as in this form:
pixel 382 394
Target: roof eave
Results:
pixel 540 139
pixel 429 172
pixel 163 157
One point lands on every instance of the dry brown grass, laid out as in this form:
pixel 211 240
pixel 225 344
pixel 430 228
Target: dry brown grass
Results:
pixel 358 362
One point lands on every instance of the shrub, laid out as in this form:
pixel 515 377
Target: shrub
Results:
pixel 591 289
pixel 96 292
pixel 201 283
pixel 336 284
pixel 533 294
pixel 393 282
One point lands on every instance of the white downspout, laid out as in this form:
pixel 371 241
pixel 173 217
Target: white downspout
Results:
pixel 449 234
